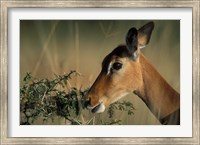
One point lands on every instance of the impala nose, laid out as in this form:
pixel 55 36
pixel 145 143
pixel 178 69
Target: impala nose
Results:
pixel 87 103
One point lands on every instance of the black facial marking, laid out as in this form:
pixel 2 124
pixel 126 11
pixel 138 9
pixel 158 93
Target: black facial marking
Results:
pixel 121 51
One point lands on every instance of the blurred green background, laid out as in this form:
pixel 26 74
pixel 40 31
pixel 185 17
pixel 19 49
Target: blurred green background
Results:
pixel 49 47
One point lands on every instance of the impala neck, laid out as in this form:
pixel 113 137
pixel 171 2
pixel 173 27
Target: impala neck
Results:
pixel 156 93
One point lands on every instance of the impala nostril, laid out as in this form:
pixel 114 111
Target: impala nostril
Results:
pixel 87 103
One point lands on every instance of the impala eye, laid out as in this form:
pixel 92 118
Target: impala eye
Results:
pixel 117 66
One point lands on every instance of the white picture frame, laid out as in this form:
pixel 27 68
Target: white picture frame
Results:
pixel 5 139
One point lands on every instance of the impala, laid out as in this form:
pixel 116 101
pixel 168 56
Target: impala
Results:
pixel 126 70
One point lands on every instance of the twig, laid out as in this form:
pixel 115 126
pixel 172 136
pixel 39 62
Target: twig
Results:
pixel 42 101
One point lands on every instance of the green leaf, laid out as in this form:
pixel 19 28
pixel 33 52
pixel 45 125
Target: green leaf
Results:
pixel 27 77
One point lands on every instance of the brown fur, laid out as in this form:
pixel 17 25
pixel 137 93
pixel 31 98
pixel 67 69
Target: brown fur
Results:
pixel 136 75
pixel 139 77
pixel 142 39
pixel 158 95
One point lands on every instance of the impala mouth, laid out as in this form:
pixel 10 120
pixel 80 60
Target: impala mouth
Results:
pixel 98 108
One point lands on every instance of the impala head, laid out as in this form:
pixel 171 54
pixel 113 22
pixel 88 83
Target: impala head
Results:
pixel 121 71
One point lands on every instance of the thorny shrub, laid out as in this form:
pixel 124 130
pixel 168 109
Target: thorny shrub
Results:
pixel 44 98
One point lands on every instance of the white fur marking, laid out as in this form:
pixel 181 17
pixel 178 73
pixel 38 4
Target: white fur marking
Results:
pixel 109 68
pixel 101 108
pixel 141 46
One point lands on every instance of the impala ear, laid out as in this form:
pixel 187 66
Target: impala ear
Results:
pixel 144 34
pixel 132 42
pixel 137 39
